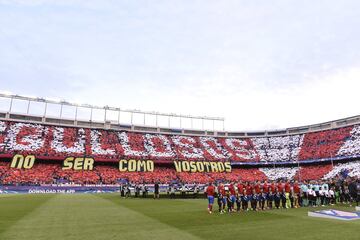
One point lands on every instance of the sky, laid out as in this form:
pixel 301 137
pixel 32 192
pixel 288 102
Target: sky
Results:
pixel 260 64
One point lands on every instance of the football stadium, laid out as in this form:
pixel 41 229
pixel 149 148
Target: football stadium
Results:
pixel 251 128
pixel 105 179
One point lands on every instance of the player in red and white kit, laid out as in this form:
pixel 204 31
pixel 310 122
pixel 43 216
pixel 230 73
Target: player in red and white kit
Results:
pixel 210 192
pixel 232 192
pixel 221 198
pixel 297 196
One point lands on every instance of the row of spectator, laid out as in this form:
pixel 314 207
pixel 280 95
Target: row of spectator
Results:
pixel 107 174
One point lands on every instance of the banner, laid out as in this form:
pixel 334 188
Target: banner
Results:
pixel 196 166
pixel 136 165
pixel 22 162
pixel 57 189
pixel 78 163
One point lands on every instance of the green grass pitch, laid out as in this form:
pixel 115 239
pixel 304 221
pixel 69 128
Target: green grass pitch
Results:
pixel 107 216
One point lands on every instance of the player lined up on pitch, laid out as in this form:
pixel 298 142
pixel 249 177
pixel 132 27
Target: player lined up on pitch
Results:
pixel 275 195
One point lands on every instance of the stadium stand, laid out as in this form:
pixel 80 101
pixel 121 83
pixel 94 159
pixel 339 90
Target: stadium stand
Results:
pixel 51 173
pixel 51 141
pixel 253 158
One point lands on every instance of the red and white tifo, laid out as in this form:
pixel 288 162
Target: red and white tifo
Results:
pixel 308 156
pixel 53 142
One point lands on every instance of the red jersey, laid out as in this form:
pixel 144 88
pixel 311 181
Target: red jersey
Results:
pixel 280 187
pixel 266 188
pixel 257 188
pixel 210 190
pixel 249 190
pixel 221 190
pixel 240 188
pixel 272 187
pixel 296 188
pixel 287 187
pixel 232 190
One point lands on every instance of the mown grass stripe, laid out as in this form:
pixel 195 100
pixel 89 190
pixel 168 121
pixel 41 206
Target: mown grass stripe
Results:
pixel 89 217
pixel 190 216
pixel 14 207
pixel 107 216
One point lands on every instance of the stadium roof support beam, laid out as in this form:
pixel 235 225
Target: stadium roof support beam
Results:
pixel 106 109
